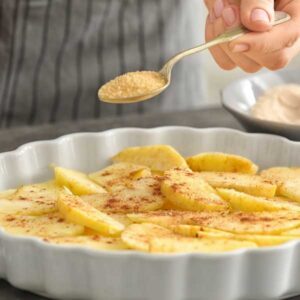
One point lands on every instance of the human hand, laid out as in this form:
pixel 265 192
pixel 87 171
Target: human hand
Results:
pixel 268 47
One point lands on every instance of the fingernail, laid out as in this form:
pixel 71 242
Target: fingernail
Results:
pixel 238 48
pixel 218 8
pixel 260 15
pixel 229 16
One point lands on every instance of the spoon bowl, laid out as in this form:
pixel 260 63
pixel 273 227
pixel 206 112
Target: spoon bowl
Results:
pixel 139 98
pixel 166 71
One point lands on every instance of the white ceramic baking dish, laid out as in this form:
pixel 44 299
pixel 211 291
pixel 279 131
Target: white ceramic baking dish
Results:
pixel 77 273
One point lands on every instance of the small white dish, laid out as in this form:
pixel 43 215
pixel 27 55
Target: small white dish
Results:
pixel 241 95
pixel 63 272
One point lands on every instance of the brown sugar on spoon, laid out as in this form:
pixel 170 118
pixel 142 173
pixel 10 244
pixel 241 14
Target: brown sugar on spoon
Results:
pixel 132 84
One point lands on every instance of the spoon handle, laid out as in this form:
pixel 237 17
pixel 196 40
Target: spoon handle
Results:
pixel 228 36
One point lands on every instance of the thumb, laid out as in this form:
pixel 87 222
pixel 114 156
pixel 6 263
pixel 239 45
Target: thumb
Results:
pixel 257 15
pixel 277 39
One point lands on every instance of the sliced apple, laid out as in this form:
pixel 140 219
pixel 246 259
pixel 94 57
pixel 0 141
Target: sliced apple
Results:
pixel 142 195
pixel 204 245
pixel 187 190
pixel 76 210
pixel 244 202
pixel 221 162
pixel 34 199
pixel 157 157
pixel 250 184
pixel 90 241
pixel 236 222
pixel 137 236
pixel 52 225
pixel 77 182
pixel 117 176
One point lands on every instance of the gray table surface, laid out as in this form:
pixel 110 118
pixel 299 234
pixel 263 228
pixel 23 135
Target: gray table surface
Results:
pixel 10 139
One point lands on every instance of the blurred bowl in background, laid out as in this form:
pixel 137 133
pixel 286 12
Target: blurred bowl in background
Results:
pixel 241 95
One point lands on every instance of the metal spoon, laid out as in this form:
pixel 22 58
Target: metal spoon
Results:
pixel 166 71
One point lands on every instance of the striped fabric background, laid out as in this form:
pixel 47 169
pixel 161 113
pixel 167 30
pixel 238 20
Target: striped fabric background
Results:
pixel 54 54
